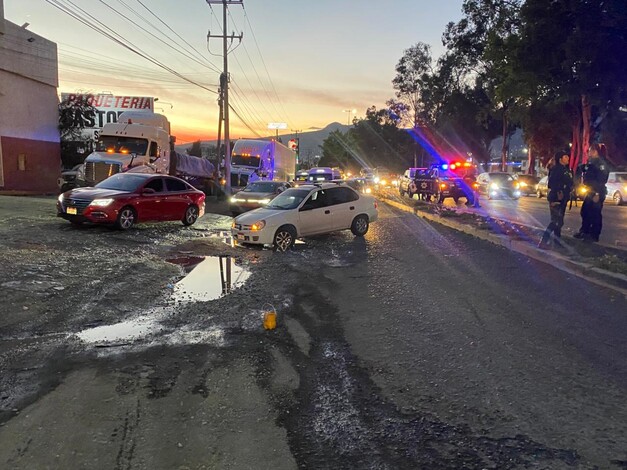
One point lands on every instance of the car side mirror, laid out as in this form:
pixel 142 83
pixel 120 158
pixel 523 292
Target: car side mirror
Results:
pixel 147 191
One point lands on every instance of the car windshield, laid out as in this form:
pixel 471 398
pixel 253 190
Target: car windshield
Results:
pixel 245 160
pixel 289 199
pixel 622 177
pixel 122 182
pixel 261 187
pixel 126 145
pixel 501 177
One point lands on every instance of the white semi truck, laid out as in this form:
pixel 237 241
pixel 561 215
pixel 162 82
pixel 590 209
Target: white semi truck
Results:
pixel 272 160
pixel 140 142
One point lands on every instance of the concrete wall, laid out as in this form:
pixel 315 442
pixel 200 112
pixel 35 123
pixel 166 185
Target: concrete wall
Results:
pixel 28 111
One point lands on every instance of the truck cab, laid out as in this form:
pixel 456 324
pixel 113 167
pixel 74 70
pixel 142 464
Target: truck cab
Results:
pixel 137 142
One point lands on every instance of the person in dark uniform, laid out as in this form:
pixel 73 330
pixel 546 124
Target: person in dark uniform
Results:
pixel 560 185
pixel 596 173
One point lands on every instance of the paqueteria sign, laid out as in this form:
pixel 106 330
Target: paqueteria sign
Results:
pixel 107 109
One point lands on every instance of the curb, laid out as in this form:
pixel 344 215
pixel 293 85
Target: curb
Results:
pixel 615 281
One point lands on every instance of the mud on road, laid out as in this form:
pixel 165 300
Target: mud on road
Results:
pixel 108 363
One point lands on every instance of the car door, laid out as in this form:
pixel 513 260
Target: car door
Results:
pixel 176 199
pixel 343 203
pixel 314 215
pixel 151 200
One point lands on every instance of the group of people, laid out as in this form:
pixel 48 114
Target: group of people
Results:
pixel 560 183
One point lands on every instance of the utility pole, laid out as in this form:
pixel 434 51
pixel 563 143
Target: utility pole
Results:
pixel 225 87
pixel 297 145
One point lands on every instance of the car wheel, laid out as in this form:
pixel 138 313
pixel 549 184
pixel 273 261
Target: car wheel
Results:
pixel 126 218
pixel 360 225
pixel 191 215
pixel 284 238
pixel 618 198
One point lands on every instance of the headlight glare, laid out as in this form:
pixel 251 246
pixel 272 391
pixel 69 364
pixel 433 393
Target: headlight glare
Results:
pixel 101 202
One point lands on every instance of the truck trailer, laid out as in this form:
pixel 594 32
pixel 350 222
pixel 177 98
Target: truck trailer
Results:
pixel 272 160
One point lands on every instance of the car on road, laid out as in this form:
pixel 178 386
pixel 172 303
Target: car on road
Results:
pixel 304 211
pixel 617 187
pixel 255 194
pixel 542 188
pixel 361 185
pixel 301 178
pixel 497 185
pixel 127 198
pixel 527 184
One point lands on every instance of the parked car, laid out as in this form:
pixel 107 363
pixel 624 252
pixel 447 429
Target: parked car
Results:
pixel 256 194
pixel 542 188
pixel 304 211
pixel 527 184
pixel 498 184
pixel 617 187
pixel 126 198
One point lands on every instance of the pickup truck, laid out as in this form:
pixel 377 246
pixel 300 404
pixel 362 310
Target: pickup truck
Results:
pixel 438 183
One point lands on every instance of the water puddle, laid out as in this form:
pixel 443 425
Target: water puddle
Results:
pixel 208 278
pixel 124 332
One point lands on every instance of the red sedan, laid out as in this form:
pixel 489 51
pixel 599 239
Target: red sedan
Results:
pixel 126 198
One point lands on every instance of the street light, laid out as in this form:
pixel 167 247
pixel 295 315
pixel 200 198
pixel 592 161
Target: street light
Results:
pixel 349 111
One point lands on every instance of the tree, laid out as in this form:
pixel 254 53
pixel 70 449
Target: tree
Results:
pixel 76 144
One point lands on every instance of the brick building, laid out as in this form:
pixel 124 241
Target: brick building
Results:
pixel 30 157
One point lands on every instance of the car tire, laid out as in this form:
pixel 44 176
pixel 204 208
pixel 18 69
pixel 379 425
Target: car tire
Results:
pixel 617 198
pixel 126 218
pixel 284 238
pixel 360 225
pixel 191 215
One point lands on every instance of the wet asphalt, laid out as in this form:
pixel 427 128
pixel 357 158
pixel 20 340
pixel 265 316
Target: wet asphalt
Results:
pixel 415 347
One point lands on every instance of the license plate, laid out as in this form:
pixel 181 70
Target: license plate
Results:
pixel 240 236
pixel 71 210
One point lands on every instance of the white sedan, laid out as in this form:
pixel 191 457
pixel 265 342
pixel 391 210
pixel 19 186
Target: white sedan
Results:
pixel 304 211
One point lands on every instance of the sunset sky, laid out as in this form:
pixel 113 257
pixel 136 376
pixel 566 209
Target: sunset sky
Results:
pixel 302 63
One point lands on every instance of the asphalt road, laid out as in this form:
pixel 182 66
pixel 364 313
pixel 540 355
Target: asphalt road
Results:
pixel 534 212
pixel 415 347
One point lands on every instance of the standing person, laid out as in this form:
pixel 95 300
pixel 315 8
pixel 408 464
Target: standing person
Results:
pixel 595 176
pixel 560 185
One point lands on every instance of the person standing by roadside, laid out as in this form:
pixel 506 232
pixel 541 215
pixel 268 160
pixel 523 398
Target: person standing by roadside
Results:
pixel 560 185
pixel 595 176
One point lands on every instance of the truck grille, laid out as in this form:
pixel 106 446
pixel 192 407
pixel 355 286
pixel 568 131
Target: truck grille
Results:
pixel 95 172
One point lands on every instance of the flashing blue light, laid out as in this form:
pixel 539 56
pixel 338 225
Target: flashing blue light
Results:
pixel 445 167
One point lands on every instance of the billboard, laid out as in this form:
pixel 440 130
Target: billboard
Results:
pixel 107 109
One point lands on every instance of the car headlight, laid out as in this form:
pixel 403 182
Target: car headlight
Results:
pixel 368 190
pixel 583 189
pixel 60 198
pixel 264 201
pixel 376 180
pixel 383 182
pixel 523 184
pixel 258 225
pixel 236 199
pixel 494 186
pixel 101 202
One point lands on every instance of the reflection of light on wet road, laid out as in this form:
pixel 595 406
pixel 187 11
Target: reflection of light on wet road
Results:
pixel 125 331
pixel 212 278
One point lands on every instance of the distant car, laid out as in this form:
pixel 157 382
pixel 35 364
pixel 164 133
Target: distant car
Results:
pixel 126 198
pixel 542 188
pixel 527 184
pixel 617 187
pixel 301 178
pixel 304 211
pixel 254 195
pixel 71 179
pixel 361 185
pixel 497 185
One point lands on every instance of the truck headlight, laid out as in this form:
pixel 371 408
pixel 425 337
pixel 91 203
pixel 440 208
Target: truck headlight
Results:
pixel 101 202
pixel 494 186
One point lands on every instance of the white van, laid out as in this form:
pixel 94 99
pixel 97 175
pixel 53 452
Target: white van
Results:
pixel 324 173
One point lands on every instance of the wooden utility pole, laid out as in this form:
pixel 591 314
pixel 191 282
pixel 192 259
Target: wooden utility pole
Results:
pixel 225 87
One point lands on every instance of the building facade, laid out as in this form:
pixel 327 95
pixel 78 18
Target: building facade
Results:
pixel 30 158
